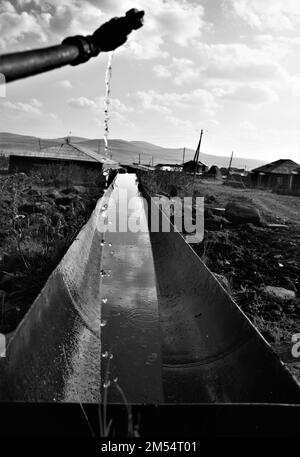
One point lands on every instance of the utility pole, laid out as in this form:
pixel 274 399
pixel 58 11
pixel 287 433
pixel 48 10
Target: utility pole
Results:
pixel 230 163
pixel 139 158
pixel 152 161
pixel 99 147
pixel 196 157
pixel 183 156
pixel 40 147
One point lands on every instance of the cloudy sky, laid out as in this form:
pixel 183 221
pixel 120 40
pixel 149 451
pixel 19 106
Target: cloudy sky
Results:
pixel 231 67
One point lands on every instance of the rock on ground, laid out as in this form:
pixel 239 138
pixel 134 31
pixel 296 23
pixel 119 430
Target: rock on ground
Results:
pixel 280 293
pixel 242 213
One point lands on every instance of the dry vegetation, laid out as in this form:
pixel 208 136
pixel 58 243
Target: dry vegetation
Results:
pixel 40 216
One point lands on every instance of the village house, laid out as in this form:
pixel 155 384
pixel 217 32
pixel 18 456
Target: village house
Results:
pixel 189 167
pixel 168 167
pixel 283 173
pixel 64 156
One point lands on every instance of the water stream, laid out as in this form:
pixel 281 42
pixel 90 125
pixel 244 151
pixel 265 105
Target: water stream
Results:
pixel 108 76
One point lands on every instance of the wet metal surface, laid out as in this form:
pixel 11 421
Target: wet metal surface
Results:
pixel 130 308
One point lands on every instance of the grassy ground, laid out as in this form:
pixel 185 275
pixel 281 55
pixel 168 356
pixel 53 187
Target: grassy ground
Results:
pixel 249 257
pixel 39 220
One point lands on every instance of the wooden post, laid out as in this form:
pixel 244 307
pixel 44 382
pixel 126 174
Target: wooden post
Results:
pixel 230 163
pixel 196 157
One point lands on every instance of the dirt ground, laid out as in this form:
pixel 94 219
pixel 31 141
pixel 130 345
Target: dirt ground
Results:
pixel 249 258
pixel 273 206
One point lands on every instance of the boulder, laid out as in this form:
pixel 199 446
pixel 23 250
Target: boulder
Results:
pixel 242 213
pixel 280 293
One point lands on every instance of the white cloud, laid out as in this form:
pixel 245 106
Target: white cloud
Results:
pixel 238 61
pixel 252 94
pixel 65 83
pixel 182 71
pixel 193 102
pixel 162 71
pixel 82 103
pixel 85 103
pixel 30 108
pixel 18 26
pixel 28 22
pixel 276 15
pixel 295 85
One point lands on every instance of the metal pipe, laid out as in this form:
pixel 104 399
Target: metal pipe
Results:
pixel 73 50
pixel 24 64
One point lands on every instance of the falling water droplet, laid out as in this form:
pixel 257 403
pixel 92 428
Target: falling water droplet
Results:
pixel 102 243
pixel 103 323
pixel 116 379
pixel 107 100
pixel 110 245
pixel 104 300
pixel 106 384
pixel 105 355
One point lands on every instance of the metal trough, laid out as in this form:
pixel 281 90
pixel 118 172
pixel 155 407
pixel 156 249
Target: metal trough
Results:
pixel 138 313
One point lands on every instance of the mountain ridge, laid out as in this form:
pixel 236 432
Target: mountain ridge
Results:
pixel 122 150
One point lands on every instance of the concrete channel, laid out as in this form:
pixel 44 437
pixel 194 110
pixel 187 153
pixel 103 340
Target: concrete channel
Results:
pixel 138 313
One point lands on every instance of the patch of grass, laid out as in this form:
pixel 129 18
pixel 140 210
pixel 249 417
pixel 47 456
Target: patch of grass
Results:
pixel 167 182
pixel 36 233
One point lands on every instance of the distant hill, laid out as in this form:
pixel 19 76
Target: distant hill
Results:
pixel 121 150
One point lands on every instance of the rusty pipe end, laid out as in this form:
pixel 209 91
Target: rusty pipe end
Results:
pixel 108 37
pixel 136 18
pixel 114 33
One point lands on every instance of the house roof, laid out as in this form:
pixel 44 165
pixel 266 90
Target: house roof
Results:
pixel 192 162
pixel 281 166
pixel 68 151
pixel 168 165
